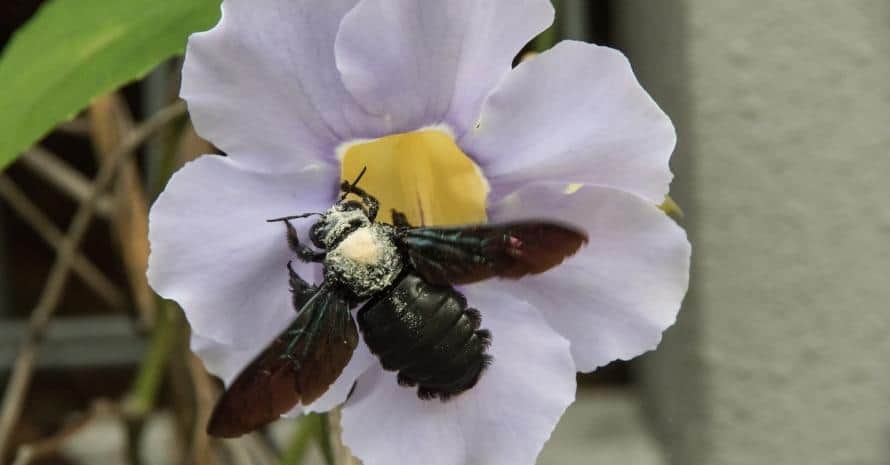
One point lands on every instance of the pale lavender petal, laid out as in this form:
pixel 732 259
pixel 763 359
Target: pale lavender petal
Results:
pixel 213 252
pixel 504 420
pixel 262 85
pixel 574 114
pixel 615 297
pixel 221 360
pixel 418 63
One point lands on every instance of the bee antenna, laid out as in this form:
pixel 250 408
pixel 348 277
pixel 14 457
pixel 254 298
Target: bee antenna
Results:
pixel 295 217
pixel 354 183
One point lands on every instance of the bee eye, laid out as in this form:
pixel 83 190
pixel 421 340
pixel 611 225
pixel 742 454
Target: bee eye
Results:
pixel 317 231
pixel 352 205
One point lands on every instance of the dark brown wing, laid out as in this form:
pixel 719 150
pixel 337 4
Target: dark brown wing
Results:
pixel 320 343
pixel 460 255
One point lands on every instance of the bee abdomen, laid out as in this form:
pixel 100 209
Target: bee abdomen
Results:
pixel 429 335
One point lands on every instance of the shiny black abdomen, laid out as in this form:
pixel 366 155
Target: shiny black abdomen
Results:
pixel 428 334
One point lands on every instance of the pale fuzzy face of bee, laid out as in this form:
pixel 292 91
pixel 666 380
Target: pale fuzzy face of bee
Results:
pixel 361 246
pixel 338 222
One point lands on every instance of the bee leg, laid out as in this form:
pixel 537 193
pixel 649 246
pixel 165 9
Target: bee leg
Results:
pixel 309 255
pixel 400 219
pixel 369 200
pixel 304 253
pixel 301 291
pixel 299 285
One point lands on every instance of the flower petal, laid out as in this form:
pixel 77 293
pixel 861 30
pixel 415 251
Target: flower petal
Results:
pixel 227 363
pixel 505 419
pixel 418 63
pixel 262 85
pixel 220 360
pixel 213 252
pixel 623 289
pixel 574 114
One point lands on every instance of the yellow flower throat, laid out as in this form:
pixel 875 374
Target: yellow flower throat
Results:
pixel 423 174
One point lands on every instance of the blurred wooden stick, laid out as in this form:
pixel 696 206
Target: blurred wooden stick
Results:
pixel 110 122
pixel 68 180
pixel 16 389
pixel 205 394
pixel 38 450
pixel 78 126
pixel 191 146
pixel 39 222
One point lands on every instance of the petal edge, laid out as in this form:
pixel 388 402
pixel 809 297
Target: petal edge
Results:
pixel 503 420
pixel 574 114
pixel 615 298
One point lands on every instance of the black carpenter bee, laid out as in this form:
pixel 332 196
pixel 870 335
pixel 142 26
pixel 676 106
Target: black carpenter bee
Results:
pixel 411 317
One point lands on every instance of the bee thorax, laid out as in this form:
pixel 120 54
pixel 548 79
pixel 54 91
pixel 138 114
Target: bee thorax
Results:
pixel 366 261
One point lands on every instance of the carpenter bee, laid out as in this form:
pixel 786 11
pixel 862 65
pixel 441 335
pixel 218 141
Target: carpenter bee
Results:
pixel 411 317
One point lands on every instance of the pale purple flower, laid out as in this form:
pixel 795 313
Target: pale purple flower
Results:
pixel 284 86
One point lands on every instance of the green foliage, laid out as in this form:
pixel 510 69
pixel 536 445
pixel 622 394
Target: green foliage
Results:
pixel 75 50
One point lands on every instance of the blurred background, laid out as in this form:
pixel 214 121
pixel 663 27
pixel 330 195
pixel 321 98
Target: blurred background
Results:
pixel 781 351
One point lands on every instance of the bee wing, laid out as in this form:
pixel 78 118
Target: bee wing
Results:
pixel 461 255
pixel 321 342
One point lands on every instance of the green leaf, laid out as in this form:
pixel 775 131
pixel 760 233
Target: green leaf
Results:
pixel 75 50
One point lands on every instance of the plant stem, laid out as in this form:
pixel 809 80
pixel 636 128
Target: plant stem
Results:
pixel 310 427
pixel 143 393
pixel 324 440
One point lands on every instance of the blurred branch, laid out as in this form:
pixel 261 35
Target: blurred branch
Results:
pixel 110 121
pixel 65 178
pixel 258 446
pixel 205 393
pixel 143 394
pixel 77 126
pixel 181 396
pixel 16 389
pixel 83 267
pixel 189 147
pixel 33 452
pixel 250 449
pixel 140 400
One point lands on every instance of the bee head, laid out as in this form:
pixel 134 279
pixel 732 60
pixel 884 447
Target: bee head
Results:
pixel 338 222
pixel 343 218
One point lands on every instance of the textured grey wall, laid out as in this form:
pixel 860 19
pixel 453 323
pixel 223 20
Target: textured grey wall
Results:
pixel 782 354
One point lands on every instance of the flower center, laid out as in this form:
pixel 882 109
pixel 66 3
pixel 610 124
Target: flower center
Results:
pixel 423 174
